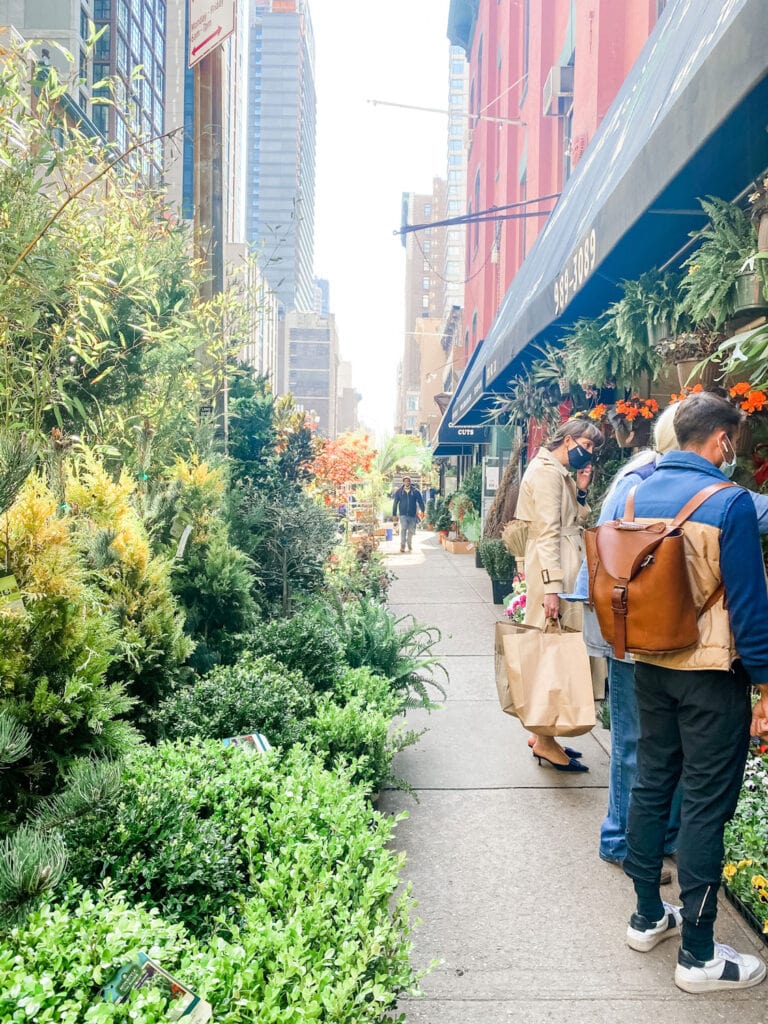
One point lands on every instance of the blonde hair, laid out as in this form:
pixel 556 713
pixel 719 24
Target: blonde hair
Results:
pixel 664 436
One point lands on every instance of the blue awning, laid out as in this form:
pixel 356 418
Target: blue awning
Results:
pixel 689 121
pixel 455 439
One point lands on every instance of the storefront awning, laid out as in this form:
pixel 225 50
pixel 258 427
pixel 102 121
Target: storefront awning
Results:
pixel 690 120
pixel 455 439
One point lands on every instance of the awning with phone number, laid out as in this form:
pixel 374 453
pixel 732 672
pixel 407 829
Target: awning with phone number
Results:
pixel 690 120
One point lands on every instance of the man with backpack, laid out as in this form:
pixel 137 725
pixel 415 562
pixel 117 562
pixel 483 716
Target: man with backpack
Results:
pixel 407 504
pixel 694 703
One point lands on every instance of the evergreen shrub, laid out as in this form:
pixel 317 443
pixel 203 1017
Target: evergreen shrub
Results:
pixel 256 694
pixel 306 642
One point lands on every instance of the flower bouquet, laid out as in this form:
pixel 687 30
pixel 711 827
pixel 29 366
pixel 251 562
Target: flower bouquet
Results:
pixel 515 602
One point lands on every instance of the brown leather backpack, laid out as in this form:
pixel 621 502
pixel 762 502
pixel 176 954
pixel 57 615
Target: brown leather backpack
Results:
pixel 638 581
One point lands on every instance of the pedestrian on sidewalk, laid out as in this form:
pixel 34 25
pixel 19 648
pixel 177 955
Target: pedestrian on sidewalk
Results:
pixel 556 510
pixel 407 503
pixel 625 725
pixel 694 705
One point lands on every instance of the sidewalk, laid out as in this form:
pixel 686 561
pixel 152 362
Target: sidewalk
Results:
pixel 528 923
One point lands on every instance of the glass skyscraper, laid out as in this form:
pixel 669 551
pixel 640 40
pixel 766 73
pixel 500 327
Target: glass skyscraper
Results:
pixel 280 191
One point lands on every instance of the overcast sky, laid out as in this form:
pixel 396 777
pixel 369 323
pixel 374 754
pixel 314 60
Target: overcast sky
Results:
pixel 366 158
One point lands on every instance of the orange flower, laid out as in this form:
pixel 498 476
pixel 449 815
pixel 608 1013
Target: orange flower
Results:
pixel 742 388
pixel 598 412
pixel 686 392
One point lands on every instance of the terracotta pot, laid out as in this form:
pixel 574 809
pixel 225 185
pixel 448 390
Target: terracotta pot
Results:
pixel 706 377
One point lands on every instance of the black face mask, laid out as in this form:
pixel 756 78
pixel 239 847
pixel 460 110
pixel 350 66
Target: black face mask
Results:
pixel 579 457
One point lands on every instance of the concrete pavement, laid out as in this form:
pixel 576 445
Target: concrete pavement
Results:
pixel 527 923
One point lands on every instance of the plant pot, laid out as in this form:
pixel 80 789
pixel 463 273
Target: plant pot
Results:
pixel 459 547
pixel 659 332
pixel 636 434
pixel 501 588
pixel 749 297
pixel 478 559
pixel 443 535
pixel 706 377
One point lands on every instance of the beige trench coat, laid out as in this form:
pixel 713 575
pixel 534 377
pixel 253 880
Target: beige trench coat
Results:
pixel 554 551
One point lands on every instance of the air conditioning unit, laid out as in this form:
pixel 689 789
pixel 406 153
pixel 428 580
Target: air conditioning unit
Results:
pixel 558 90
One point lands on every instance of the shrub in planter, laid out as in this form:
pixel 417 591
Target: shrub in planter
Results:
pixel 256 694
pixel 307 642
pixel 746 842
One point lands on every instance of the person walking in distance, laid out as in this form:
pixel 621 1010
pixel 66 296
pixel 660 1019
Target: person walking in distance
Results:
pixel 694 704
pixel 407 503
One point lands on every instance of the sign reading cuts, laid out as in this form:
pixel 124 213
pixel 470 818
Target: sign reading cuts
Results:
pixel 210 23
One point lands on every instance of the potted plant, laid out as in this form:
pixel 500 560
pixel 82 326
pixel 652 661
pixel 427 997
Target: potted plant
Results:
pixel 631 420
pixel 429 514
pixel 719 277
pixel 694 355
pixel 461 507
pixel 442 518
pixel 593 356
pixel 500 566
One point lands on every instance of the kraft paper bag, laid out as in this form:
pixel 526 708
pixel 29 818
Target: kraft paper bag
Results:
pixel 503 629
pixel 549 681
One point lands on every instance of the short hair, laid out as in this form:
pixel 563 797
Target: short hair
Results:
pixel 701 414
pixel 406 478
pixel 574 428
pixel 664 436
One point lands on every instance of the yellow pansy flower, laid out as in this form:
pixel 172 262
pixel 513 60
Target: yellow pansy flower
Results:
pixel 729 871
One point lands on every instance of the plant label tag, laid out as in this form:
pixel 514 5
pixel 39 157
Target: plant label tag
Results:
pixel 253 742
pixel 10 595
pixel 182 546
pixel 184 1004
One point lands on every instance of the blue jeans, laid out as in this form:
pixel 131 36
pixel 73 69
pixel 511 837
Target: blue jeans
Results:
pixel 625 731
pixel 407 527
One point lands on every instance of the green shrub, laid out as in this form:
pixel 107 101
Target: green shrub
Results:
pixel 52 967
pixel 359 734
pixel 257 694
pixel 394 648
pixel 356 571
pixel 214 583
pixel 307 642
pixel 197 829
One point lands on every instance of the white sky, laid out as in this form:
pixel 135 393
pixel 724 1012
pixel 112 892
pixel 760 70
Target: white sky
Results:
pixel 367 157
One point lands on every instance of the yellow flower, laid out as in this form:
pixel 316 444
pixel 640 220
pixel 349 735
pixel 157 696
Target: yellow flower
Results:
pixel 743 864
pixel 729 871
pixel 758 882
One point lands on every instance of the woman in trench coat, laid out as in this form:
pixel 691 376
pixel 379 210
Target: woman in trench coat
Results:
pixel 555 507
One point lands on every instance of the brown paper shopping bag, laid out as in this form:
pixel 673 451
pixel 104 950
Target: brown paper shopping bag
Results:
pixel 503 629
pixel 549 681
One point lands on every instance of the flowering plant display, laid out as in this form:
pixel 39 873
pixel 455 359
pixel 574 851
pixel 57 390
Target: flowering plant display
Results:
pixel 746 841
pixel 515 602
pixel 685 392
pixel 750 399
pixel 598 412
pixel 631 408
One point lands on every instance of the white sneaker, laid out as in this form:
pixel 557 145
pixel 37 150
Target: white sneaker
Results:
pixel 728 969
pixel 643 934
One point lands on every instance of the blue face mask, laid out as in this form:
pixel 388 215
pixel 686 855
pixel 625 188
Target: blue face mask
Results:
pixel 579 457
pixel 728 465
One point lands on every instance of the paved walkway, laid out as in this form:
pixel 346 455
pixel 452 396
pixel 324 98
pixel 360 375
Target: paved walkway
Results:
pixel 527 922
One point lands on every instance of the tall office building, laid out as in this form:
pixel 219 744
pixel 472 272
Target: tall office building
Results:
pixel 310 364
pixel 425 294
pixel 280 191
pixel 132 36
pixel 455 237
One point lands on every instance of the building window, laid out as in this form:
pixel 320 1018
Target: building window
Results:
pixel 425 283
pixel 425 302
pixel 426 266
pixel 102 10
pixel 427 209
pixel 84 33
pixel 122 15
pixel 101 46
pixel 99 116
pixel 474 330
pixel 457 67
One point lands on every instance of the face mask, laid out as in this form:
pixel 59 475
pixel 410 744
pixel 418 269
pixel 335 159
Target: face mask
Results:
pixel 579 457
pixel 728 465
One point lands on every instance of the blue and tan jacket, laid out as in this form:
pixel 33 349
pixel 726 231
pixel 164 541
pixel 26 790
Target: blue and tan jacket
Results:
pixel 722 544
